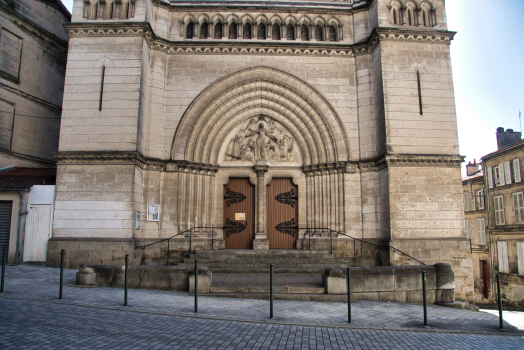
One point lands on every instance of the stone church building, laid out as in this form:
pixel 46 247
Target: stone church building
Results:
pixel 260 125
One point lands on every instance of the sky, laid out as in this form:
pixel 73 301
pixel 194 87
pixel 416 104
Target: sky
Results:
pixel 487 58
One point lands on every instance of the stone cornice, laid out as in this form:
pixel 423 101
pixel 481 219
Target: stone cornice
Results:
pixel 109 158
pixel 135 158
pixel 35 29
pixel 236 5
pixel 210 46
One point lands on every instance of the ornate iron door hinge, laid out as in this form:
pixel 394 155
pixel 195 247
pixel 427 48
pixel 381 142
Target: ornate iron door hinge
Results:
pixel 288 227
pixel 289 198
pixel 232 227
pixel 233 197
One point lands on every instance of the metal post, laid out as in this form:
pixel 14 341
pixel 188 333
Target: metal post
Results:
pixel 4 250
pixel 196 285
pixel 499 295
pixel 125 279
pixel 61 273
pixel 425 299
pixel 349 296
pixel 167 263
pixel 309 231
pixel 212 239
pixel 354 252
pixel 331 240
pixel 270 290
pixel 190 241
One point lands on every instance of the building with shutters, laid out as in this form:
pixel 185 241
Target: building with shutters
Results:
pixel 33 53
pixel 504 199
pixel 475 223
pixel 260 125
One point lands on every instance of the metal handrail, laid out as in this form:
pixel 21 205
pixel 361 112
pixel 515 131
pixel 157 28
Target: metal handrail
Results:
pixel 378 246
pixel 190 239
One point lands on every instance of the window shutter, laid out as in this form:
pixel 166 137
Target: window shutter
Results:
pixel 521 206
pixel 481 230
pixel 490 178
pixel 473 201
pixel 467 228
pixel 496 205
pixel 501 175
pixel 501 208
pixel 502 250
pixel 507 171
pixel 516 169
pixel 520 257
pixel 516 207
pixel 481 198
pixel 466 202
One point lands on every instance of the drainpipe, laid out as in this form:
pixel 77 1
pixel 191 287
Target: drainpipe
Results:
pixel 19 228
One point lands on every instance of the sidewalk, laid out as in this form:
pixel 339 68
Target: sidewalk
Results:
pixel 42 284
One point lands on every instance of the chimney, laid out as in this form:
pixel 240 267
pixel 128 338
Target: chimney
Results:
pixel 472 168
pixel 507 138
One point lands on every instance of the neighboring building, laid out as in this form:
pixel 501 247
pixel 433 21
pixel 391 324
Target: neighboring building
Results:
pixel 475 224
pixel 505 207
pixel 33 54
pixel 270 121
pixel 26 212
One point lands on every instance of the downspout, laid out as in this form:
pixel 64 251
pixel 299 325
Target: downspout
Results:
pixel 19 228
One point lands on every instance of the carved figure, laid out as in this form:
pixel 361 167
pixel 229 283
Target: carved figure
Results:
pixel 262 138
pixel 267 141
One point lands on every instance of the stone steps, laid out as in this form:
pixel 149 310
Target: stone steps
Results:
pixel 284 296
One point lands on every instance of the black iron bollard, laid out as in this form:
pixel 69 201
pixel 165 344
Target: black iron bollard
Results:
pixel 425 298
pixel 4 251
pixel 61 274
pixel 125 279
pixel 196 285
pixel 499 296
pixel 270 290
pixel 349 296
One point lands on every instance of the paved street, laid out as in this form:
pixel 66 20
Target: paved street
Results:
pixel 33 317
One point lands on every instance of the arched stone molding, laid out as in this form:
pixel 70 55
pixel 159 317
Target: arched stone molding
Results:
pixel 427 15
pixel 203 18
pixel 395 12
pixel 335 23
pixel 302 110
pixel 217 19
pixel 261 19
pixel 410 13
pixel 290 20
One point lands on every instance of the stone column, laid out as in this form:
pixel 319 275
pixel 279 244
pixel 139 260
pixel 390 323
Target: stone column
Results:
pixel 261 241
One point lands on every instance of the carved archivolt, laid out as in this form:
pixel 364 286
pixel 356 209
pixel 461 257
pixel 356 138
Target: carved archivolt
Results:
pixel 304 115
pixel 261 139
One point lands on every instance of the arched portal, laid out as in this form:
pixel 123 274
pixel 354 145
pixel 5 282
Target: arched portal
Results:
pixel 261 123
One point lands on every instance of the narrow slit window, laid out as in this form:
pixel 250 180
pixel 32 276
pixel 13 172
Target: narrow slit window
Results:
pixel 101 88
pixel 419 93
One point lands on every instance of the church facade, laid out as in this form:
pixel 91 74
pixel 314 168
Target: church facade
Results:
pixel 260 125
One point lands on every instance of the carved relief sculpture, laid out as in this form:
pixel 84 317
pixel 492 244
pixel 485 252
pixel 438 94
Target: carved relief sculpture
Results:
pixel 261 139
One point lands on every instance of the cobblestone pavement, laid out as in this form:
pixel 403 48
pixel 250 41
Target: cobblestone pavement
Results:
pixel 28 324
pixel 33 283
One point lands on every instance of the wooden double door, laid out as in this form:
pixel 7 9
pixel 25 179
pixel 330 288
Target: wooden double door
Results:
pixel 281 214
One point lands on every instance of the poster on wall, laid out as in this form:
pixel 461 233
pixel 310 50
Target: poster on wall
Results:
pixel 152 212
pixel 137 220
